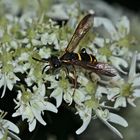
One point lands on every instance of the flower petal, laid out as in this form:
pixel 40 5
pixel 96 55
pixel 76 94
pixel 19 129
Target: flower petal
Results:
pixel 118 62
pixel 123 26
pixel 112 92
pixel 98 21
pixel 2 80
pixel 44 38
pixel 57 94
pixel 12 135
pixel 112 128
pixel 80 96
pixel 136 82
pixel 136 93
pixel 38 116
pixel 117 119
pixel 4 89
pixel 32 125
pixel 99 114
pixel 51 107
pixel 61 15
pixel 131 101
pixel 120 102
pixel 85 124
pixel 99 41
pixel 132 71
pixel 42 89
pixel 68 98
pixel 100 90
pixel 11 126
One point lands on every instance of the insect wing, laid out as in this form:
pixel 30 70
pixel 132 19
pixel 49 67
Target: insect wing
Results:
pixel 82 28
pixel 103 68
pixel 98 67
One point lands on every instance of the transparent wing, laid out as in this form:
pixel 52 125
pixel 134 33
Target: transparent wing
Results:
pixel 82 28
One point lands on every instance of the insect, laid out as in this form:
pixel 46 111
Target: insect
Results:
pixel 82 59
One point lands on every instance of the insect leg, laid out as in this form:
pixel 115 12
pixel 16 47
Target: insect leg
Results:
pixel 44 60
pixel 44 68
pixel 75 78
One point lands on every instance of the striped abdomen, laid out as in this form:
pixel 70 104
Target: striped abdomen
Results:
pixel 83 57
pixel 86 57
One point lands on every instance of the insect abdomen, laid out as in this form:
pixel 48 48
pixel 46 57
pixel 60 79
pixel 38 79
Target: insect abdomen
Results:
pixel 83 57
pixel 87 58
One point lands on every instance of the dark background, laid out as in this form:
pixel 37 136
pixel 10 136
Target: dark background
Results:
pixel 133 5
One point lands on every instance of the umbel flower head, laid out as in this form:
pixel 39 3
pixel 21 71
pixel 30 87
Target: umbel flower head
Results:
pixel 126 90
pixel 31 105
pixel 33 35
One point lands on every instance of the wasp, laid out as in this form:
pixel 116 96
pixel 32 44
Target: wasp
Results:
pixel 82 59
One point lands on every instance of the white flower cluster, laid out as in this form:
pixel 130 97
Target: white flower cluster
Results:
pixel 26 39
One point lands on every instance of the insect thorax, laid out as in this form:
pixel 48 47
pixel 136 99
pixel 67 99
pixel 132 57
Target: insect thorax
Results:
pixel 69 57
